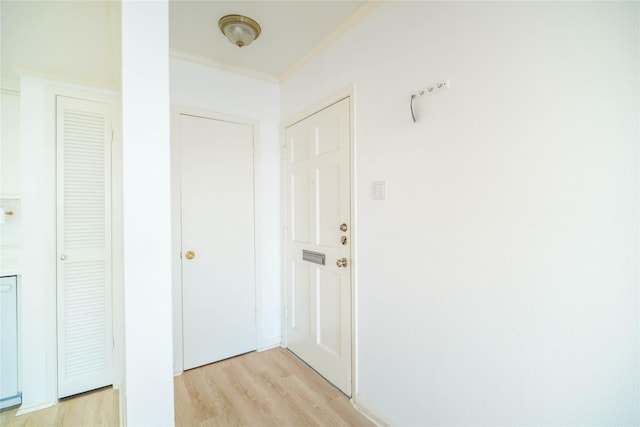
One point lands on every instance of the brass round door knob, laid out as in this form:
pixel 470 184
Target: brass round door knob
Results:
pixel 190 255
pixel 343 227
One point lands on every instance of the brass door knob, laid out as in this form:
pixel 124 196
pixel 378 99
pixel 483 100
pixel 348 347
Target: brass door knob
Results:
pixel 190 255
pixel 342 263
pixel 343 227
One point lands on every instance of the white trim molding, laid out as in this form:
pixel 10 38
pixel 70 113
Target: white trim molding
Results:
pixel 364 408
pixel 269 344
pixel 358 16
pixel 203 60
pixel 96 85
pixel 35 407
pixel 9 87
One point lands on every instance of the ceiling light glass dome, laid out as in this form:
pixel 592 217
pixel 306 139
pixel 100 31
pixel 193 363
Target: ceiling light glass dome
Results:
pixel 239 29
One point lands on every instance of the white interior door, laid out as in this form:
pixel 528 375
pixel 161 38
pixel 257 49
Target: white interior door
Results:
pixel 318 242
pixel 85 340
pixel 218 261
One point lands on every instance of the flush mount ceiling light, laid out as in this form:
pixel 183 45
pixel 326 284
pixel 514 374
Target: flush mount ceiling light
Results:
pixel 239 29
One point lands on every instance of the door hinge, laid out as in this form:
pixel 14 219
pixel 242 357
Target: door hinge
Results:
pixel 113 343
pixel 284 152
pixel 112 135
pixel 285 232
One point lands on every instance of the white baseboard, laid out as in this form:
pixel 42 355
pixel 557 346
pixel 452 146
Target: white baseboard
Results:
pixel 8 402
pixel 269 344
pixel 25 409
pixel 122 410
pixel 365 409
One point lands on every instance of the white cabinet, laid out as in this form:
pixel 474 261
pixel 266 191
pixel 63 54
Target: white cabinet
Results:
pixel 9 395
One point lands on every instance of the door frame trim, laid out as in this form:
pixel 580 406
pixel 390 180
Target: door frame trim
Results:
pixel 346 92
pixel 176 228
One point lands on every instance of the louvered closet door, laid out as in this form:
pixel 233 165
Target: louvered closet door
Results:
pixel 84 247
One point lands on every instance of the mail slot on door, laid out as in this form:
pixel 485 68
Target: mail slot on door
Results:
pixel 314 257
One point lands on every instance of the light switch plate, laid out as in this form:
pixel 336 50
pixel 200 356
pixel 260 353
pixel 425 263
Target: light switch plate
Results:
pixel 379 190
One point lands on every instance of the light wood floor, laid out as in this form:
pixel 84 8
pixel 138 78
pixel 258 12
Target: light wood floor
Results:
pixel 271 388
pixel 95 408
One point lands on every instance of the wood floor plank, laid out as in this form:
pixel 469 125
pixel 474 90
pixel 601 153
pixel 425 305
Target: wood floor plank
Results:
pixel 319 409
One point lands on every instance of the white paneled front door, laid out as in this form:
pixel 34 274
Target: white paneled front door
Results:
pixel 218 262
pixel 85 339
pixel 318 242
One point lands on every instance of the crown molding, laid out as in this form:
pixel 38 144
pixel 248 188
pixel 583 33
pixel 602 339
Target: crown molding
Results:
pixel 356 17
pixel 24 71
pixel 203 60
pixel 10 87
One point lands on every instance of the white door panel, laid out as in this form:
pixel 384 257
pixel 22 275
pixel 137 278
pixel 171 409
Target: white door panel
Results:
pixel 218 227
pixel 84 245
pixel 317 204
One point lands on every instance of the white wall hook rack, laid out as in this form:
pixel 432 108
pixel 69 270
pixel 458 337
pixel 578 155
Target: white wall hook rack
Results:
pixel 429 90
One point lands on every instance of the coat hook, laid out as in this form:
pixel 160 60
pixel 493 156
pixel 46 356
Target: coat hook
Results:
pixel 413 96
pixel 413 116
pixel 429 90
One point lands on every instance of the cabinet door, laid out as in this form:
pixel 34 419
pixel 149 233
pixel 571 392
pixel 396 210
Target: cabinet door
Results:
pixel 8 342
pixel 84 245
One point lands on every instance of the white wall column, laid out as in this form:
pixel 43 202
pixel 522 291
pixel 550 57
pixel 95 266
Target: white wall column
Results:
pixel 148 388
pixel 37 289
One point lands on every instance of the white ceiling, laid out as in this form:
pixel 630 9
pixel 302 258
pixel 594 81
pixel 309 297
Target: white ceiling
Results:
pixel 290 29
pixel 81 39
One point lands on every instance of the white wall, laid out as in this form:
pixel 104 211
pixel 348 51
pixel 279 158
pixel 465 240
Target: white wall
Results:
pixel 146 180
pixel 10 140
pixel 10 235
pixel 37 311
pixel 44 36
pixel 198 87
pixel 498 283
